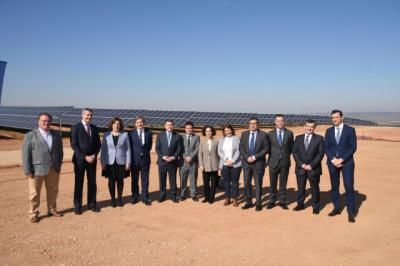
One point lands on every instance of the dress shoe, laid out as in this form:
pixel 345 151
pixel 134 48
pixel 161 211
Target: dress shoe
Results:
pixel 56 214
pixel 161 199
pixel 183 198
pixel 270 205
pixel 147 202
pixel 113 203
pixel 204 200
pixel 258 207
pixel 134 200
pixel 120 203
pixel 34 219
pixel 195 198
pixel 235 203
pixel 315 211
pixel 248 205
pixel 334 212
pixel 175 200
pixel 227 202
pixel 283 206
pixel 94 209
pixel 211 201
pixel 299 207
pixel 78 211
pixel 351 218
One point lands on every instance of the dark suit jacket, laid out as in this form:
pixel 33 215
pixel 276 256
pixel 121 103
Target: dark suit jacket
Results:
pixel 313 156
pixel 140 154
pixel 280 154
pixel 82 144
pixel 345 149
pixel 261 148
pixel 162 149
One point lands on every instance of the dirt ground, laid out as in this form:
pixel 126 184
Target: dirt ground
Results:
pixel 202 234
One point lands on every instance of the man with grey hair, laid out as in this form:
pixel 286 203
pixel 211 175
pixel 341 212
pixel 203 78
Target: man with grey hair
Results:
pixel 42 155
pixel 85 142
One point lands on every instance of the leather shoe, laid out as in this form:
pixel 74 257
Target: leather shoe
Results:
pixel 120 203
pixel 299 207
pixel 204 200
pixel 227 202
pixel 34 219
pixel 195 198
pixel 56 214
pixel 134 200
pixel 315 211
pixel 94 209
pixel 175 200
pixel 351 218
pixel 161 199
pixel 334 212
pixel 147 202
pixel 113 203
pixel 78 211
pixel 283 206
pixel 270 205
pixel 258 207
pixel 183 198
pixel 248 205
pixel 235 203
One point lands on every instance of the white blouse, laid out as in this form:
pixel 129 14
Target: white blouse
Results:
pixel 227 148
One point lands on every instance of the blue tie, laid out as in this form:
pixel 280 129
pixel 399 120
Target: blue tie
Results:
pixel 252 143
pixel 280 139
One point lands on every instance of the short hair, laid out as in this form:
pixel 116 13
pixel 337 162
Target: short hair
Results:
pixel 310 121
pixel 279 115
pixel 253 118
pixel 189 123
pixel 87 109
pixel 203 130
pixel 113 120
pixel 139 117
pixel 337 111
pixel 46 114
pixel 228 126
pixel 169 120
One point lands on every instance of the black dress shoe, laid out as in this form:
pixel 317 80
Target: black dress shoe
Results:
pixel 299 207
pixel 161 199
pixel 283 206
pixel 147 202
pixel 258 207
pixel 183 198
pixel 211 201
pixel 78 211
pixel 113 203
pixel 195 199
pixel 351 218
pixel 248 205
pixel 334 212
pixel 270 205
pixel 94 209
pixel 204 200
pixel 175 200
pixel 134 200
pixel 315 211
pixel 120 203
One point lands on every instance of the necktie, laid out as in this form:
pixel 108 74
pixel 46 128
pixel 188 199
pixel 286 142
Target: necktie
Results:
pixel 87 129
pixel 337 135
pixel 252 143
pixel 188 143
pixel 169 138
pixel 280 138
pixel 140 137
pixel 307 142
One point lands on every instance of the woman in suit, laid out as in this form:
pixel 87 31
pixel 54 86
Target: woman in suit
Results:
pixel 230 164
pixel 115 158
pixel 208 162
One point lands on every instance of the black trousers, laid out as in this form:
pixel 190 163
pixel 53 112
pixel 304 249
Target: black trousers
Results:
pixel 280 173
pixel 143 171
pixel 163 171
pixel 80 169
pixel 209 182
pixel 120 187
pixel 249 172
pixel 231 181
pixel 301 186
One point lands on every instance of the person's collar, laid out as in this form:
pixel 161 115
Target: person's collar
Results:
pixel 43 132
pixel 340 126
pixel 310 135
pixel 85 124
pixel 280 129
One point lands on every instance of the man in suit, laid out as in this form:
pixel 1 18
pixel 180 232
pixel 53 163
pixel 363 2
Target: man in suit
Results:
pixel 42 155
pixel 340 146
pixel 85 142
pixel 308 151
pixel 141 140
pixel 189 162
pixel 281 145
pixel 254 145
pixel 169 151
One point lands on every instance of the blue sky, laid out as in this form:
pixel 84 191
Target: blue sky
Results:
pixel 217 55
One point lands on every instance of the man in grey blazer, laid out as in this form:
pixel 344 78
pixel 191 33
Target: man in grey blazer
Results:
pixel 281 140
pixel 189 163
pixel 254 145
pixel 42 155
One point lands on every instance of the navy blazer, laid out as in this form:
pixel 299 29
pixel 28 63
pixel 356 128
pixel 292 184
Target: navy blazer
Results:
pixel 140 154
pixel 175 148
pixel 261 148
pixel 345 149
pixel 82 144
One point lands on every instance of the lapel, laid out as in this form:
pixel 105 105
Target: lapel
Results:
pixel 285 136
pixel 41 140
pixel 312 141
pixel 55 140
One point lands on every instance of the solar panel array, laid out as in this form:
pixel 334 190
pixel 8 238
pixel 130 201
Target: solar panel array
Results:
pixel 25 117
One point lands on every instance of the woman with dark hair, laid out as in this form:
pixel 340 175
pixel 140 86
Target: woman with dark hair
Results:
pixel 230 164
pixel 115 158
pixel 208 162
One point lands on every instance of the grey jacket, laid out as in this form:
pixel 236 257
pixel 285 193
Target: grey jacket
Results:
pixel 191 151
pixel 120 153
pixel 209 159
pixel 37 159
pixel 235 152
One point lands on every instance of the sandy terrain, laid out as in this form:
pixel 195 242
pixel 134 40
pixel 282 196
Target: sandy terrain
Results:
pixel 203 234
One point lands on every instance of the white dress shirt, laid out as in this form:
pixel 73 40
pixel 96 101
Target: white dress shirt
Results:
pixel 141 131
pixel 47 137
